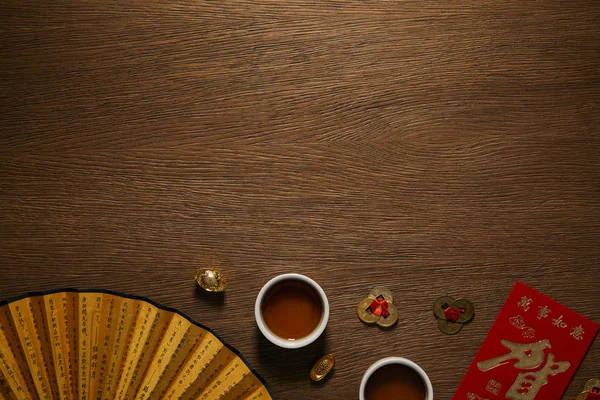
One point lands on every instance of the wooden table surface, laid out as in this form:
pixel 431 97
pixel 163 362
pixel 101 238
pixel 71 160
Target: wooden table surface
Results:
pixel 431 146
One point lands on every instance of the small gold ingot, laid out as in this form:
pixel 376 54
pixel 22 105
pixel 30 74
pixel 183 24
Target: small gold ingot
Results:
pixel 322 367
pixel 210 280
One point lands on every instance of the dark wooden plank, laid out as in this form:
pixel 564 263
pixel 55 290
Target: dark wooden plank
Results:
pixel 439 148
pixel 463 222
pixel 192 72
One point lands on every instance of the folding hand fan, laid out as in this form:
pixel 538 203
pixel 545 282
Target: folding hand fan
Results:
pixel 104 345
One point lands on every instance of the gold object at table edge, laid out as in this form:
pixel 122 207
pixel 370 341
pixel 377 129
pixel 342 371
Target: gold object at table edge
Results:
pixel 210 280
pixel 589 385
pixel 322 367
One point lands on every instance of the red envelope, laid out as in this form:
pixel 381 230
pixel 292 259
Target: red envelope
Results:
pixel 531 352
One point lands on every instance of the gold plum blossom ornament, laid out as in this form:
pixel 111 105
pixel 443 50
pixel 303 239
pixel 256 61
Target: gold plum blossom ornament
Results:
pixel 210 280
pixel 452 313
pixel 591 390
pixel 378 308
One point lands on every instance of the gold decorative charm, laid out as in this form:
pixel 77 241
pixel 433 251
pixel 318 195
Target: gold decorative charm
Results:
pixel 591 390
pixel 322 367
pixel 210 280
pixel 452 313
pixel 378 308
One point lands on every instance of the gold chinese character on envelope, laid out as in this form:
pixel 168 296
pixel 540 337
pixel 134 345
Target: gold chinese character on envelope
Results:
pixel 531 352
pixel 527 356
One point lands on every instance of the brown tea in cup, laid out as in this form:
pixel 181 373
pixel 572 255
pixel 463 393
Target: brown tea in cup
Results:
pixel 395 382
pixel 292 309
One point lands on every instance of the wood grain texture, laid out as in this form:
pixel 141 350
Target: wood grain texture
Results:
pixel 435 147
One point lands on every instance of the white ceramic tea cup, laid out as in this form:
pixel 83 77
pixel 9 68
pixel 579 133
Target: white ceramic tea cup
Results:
pixel 400 361
pixel 286 343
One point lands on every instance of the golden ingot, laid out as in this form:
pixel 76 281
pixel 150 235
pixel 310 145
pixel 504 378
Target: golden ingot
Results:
pixel 322 367
pixel 210 280
pixel 588 388
pixel 382 297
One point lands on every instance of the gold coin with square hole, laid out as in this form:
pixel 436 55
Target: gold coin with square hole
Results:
pixel 591 384
pixel 365 314
pixel 438 308
pixel 449 327
pixel 468 307
pixel 383 292
pixel 386 322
